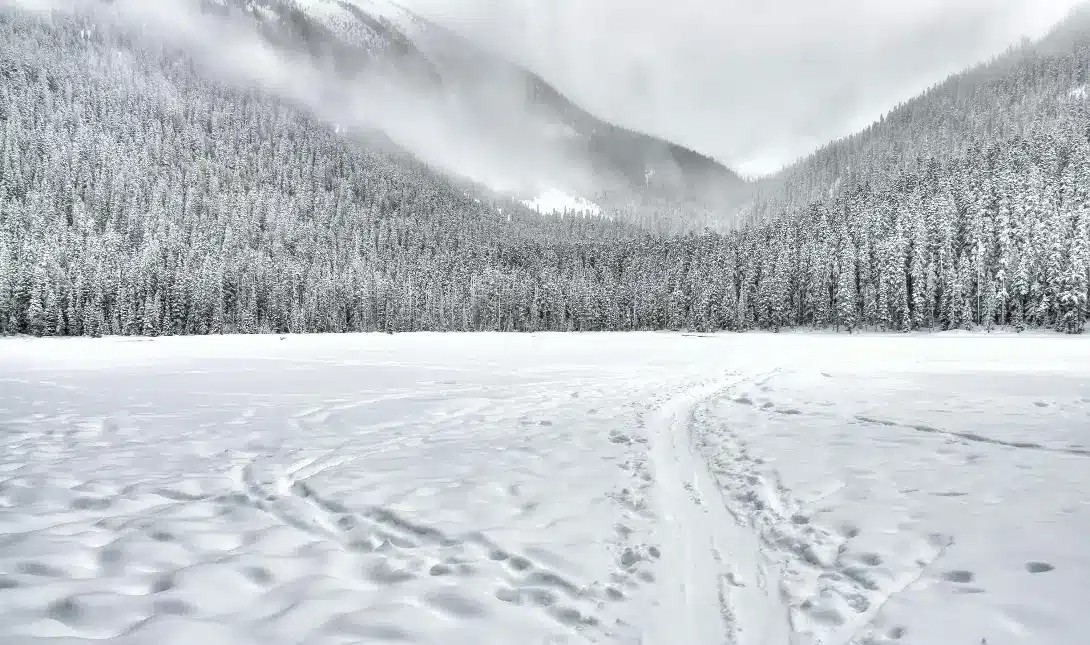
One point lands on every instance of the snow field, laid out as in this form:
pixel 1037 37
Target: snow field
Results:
pixel 486 488
pixel 914 506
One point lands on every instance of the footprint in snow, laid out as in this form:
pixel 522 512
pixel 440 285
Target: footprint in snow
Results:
pixel 959 576
pixel 1039 567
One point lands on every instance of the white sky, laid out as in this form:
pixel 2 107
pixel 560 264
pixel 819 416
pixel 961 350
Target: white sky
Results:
pixel 754 83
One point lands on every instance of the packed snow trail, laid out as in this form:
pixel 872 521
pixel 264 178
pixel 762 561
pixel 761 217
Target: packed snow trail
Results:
pixel 495 489
pixel 715 583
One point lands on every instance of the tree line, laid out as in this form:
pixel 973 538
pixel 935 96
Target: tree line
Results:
pixel 138 198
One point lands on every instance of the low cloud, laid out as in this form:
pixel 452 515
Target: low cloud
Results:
pixel 756 84
pixel 438 131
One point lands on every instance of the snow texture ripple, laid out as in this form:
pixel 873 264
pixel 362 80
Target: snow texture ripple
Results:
pixel 647 488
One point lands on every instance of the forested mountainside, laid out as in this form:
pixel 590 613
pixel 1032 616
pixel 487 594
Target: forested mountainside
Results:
pixel 1032 88
pixel 533 123
pixel 139 197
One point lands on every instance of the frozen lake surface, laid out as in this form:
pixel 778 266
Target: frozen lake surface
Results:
pixel 664 489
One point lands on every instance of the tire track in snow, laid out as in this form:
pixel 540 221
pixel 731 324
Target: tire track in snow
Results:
pixel 714 586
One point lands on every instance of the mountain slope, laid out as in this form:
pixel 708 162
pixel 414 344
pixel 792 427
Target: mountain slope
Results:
pixel 142 194
pixel 513 113
pixel 1033 87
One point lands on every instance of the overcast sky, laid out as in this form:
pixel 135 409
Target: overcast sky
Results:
pixel 754 83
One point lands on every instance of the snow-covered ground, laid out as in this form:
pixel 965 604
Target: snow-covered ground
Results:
pixel 663 489
pixel 557 202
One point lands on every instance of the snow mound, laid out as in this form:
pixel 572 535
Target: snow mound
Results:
pixel 557 202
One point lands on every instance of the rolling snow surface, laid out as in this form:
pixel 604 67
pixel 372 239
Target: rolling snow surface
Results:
pixel 661 489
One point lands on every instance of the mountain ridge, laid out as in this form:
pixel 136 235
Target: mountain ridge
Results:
pixel 945 120
pixel 141 195
pixel 499 97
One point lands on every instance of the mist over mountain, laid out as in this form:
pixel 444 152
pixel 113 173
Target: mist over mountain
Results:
pixel 756 85
pixel 513 114
pixel 374 69
pixel 1032 89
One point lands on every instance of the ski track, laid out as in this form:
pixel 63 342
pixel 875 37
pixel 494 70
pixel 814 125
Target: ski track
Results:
pixel 976 438
pixel 829 592
pixel 743 563
pixel 717 587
